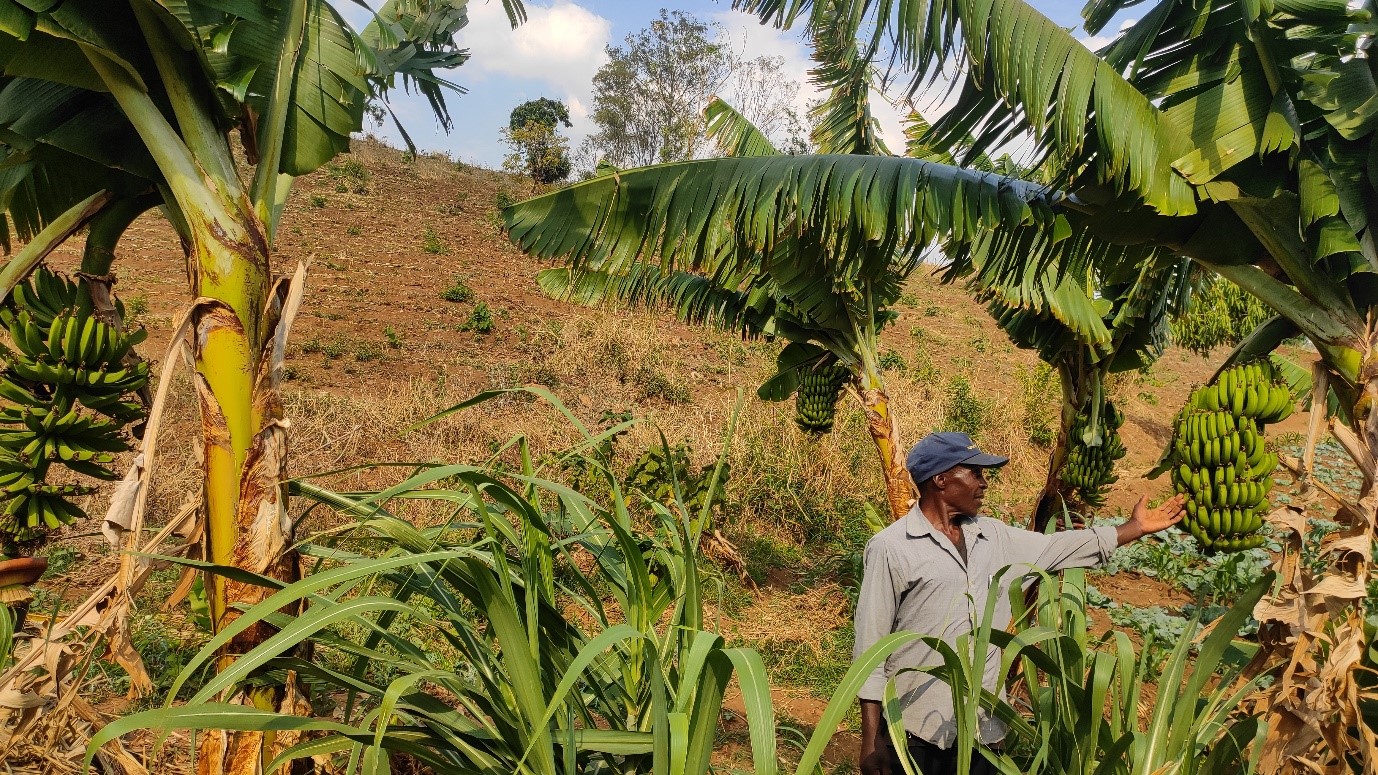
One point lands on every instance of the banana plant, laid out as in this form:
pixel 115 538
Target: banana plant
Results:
pixel 828 306
pixel 1236 134
pixel 1087 329
pixel 110 108
pixel 1086 322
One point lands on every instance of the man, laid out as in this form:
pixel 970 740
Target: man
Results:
pixel 930 572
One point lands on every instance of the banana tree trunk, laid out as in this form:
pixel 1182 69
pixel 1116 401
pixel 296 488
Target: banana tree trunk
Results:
pixel 881 422
pixel 1055 493
pixel 236 320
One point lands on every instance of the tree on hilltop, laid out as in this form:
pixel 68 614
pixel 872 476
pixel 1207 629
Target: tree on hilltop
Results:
pixel 538 148
pixel 649 98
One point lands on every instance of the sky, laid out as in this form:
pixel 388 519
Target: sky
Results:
pixel 558 50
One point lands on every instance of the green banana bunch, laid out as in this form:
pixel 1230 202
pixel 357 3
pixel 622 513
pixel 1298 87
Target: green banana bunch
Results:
pixel 815 403
pixel 1220 459
pixel 66 386
pixel 1089 467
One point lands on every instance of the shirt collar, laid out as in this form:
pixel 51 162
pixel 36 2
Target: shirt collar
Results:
pixel 916 525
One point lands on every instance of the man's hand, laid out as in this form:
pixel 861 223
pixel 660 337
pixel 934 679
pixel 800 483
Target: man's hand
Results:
pixel 1145 520
pixel 875 755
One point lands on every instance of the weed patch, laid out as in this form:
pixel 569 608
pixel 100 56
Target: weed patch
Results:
pixel 480 320
pixel 654 383
pixel 136 307
pixel 431 243
pixel 890 360
pixel 367 351
pixel 350 176
pixel 458 292
pixel 964 411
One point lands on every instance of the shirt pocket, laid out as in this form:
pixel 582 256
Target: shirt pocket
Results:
pixel 935 600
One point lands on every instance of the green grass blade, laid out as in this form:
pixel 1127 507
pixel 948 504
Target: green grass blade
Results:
pixel 845 694
pixel 300 629
pixel 894 725
pixel 209 716
pixel 754 682
pixel 591 651
pixel 298 591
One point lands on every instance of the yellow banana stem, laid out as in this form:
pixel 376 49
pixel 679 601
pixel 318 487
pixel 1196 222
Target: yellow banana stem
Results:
pixel 884 428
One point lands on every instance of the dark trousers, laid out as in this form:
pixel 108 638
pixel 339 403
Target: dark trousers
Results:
pixel 932 760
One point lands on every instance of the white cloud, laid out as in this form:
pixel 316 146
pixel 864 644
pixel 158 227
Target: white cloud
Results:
pixel 560 46
pixel 750 39
pixel 1098 42
pixel 577 111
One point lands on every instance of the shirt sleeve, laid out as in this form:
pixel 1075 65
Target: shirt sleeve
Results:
pixel 875 612
pixel 1064 549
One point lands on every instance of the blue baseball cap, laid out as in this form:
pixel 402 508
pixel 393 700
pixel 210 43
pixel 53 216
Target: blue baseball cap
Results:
pixel 937 452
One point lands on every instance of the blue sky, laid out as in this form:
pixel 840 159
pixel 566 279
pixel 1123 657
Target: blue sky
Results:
pixel 556 53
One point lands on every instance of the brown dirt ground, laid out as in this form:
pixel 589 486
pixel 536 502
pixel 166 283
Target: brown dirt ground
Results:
pixel 371 272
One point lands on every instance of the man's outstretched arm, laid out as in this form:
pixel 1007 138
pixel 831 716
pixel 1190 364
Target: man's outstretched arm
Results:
pixel 1144 520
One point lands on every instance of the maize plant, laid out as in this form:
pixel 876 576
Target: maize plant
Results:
pixel 538 630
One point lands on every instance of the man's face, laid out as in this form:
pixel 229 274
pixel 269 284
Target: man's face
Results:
pixel 965 489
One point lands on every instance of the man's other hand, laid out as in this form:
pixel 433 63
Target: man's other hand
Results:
pixel 875 757
pixel 1144 520
pixel 875 754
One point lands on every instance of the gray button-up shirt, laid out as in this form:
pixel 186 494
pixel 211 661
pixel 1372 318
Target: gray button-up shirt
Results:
pixel 915 581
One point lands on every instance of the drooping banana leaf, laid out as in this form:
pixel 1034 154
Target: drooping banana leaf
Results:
pixel 733 133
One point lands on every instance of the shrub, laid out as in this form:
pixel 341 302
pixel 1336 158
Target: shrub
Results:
pixel 458 292
pixel 964 411
pixel 654 383
pixel 367 351
pixel 480 320
pixel 1040 396
pixel 431 243
pixel 1220 313
pixel 892 361
pixel 349 176
pixel 136 307
pixel 335 348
